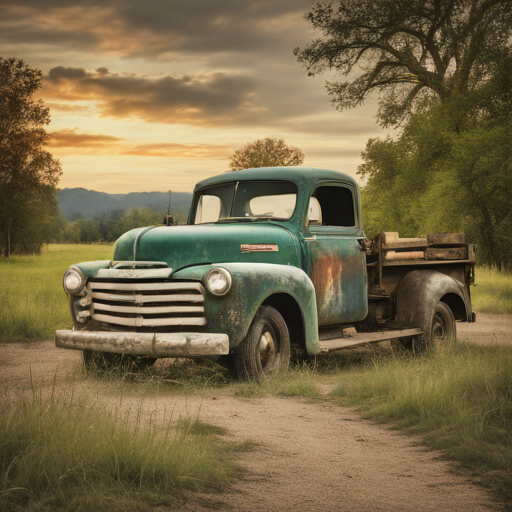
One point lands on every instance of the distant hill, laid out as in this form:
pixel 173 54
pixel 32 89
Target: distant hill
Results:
pixel 80 203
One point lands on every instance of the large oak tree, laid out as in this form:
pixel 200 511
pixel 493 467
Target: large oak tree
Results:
pixel 404 50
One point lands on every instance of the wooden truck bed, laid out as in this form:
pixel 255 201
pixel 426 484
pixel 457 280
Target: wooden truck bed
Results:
pixel 389 259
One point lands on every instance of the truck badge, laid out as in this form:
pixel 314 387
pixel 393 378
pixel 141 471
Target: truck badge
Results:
pixel 259 247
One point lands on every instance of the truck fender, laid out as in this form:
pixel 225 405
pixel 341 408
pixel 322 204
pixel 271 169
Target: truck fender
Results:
pixel 419 292
pixel 252 285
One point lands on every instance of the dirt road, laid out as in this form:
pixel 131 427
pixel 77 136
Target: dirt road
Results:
pixel 310 455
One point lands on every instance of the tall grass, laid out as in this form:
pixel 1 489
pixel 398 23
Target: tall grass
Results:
pixel 300 381
pixel 492 292
pixel 459 400
pixel 32 302
pixel 62 451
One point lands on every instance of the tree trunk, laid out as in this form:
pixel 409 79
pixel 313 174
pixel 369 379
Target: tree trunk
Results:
pixel 7 241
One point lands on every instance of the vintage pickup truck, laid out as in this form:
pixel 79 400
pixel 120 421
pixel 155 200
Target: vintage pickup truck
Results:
pixel 271 259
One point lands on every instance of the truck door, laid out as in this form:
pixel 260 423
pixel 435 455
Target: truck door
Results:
pixel 334 259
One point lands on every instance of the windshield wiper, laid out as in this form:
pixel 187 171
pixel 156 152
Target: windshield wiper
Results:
pixel 237 219
pixel 247 219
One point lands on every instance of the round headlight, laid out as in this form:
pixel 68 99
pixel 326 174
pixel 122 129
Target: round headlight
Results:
pixel 218 281
pixel 73 280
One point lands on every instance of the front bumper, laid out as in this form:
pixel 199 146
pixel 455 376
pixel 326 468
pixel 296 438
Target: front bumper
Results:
pixel 176 344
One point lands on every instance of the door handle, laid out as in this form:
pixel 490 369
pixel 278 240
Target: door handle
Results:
pixel 363 243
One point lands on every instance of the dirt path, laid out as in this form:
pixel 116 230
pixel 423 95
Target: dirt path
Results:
pixel 310 455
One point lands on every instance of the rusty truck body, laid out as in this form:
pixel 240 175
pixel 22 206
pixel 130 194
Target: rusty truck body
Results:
pixel 271 259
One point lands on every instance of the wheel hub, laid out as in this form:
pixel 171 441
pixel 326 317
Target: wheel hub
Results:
pixel 439 328
pixel 267 348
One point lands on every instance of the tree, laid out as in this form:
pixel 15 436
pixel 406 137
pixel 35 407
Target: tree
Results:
pixel 267 152
pixel 408 51
pixel 450 170
pixel 28 173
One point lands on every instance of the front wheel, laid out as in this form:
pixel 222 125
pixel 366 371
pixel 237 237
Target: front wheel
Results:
pixel 265 349
pixel 441 331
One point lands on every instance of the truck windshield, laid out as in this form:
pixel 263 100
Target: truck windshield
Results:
pixel 245 201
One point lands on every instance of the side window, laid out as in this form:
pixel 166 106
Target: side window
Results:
pixel 314 212
pixel 335 207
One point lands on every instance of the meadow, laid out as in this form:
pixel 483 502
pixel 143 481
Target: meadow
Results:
pixel 32 301
pixel 492 292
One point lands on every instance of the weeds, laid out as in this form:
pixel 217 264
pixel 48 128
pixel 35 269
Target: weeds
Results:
pixel 297 382
pixel 61 450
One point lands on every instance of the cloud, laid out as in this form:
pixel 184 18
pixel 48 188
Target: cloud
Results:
pixel 70 142
pixel 181 150
pixel 68 108
pixel 203 98
pixel 69 138
pixel 157 28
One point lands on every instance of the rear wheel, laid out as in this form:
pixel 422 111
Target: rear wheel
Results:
pixel 109 361
pixel 265 349
pixel 441 331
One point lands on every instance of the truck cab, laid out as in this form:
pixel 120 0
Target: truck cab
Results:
pixel 270 258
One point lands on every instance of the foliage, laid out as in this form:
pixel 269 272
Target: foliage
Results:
pixel 459 399
pixel 28 173
pixel 405 50
pixel 267 152
pixel 65 450
pixel 106 227
pixel 449 170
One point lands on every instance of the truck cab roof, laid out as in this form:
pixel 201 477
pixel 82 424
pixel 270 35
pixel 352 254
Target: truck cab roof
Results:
pixel 303 177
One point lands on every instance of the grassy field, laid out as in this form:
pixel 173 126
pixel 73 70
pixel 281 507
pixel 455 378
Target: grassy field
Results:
pixel 492 292
pixel 32 302
pixel 63 450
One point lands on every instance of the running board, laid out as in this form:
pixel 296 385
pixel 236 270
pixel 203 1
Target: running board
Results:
pixel 361 338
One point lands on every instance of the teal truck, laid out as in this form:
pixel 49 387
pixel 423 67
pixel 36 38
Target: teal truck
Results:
pixel 271 261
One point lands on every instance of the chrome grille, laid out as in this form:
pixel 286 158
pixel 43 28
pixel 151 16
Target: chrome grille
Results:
pixel 136 304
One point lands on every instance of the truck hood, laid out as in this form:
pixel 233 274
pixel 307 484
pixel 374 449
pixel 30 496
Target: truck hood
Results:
pixel 179 246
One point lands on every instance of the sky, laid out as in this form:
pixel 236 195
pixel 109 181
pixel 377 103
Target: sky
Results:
pixel 152 95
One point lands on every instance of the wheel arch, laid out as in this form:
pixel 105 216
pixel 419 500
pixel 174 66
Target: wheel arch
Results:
pixel 253 285
pixel 420 291
pixel 456 304
pixel 292 314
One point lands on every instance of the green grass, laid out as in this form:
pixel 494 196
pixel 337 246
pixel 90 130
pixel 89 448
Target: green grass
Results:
pixel 492 292
pixel 295 382
pixel 32 302
pixel 459 400
pixel 61 451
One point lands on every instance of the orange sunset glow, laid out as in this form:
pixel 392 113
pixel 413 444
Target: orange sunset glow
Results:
pixel 156 95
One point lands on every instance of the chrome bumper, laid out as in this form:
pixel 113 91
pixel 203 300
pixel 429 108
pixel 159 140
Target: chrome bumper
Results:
pixel 178 344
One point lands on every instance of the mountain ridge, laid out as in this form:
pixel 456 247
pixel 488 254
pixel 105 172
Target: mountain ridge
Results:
pixel 81 203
